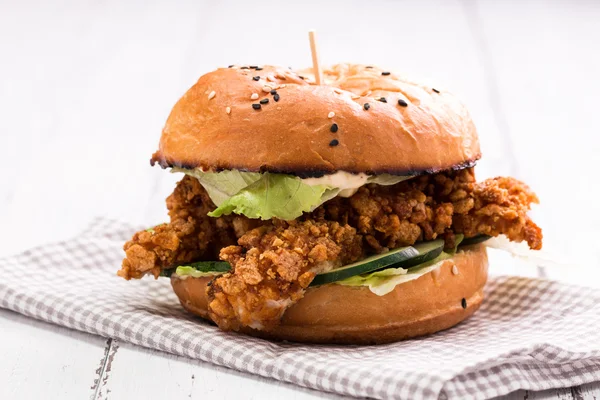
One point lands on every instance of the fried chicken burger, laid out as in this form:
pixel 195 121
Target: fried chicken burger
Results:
pixel 346 212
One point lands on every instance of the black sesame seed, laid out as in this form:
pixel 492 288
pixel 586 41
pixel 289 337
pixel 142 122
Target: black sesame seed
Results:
pixel 301 77
pixel 435 90
pixel 254 66
pixel 256 78
pixel 244 67
pixel 334 142
pixel 276 97
pixel 264 101
pixel 385 73
pixel 273 91
pixel 256 106
pixel 231 66
pixel 463 303
pixel 209 283
pixel 367 106
pixel 258 68
pixel 382 99
pixel 369 66
pixel 334 128
pixel 402 103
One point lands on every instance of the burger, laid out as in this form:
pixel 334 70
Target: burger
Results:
pixel 340 212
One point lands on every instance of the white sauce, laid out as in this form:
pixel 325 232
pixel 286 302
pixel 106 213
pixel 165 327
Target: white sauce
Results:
pixel 346 181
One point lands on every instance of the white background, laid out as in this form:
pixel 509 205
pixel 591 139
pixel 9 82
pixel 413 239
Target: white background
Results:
pixel 86 86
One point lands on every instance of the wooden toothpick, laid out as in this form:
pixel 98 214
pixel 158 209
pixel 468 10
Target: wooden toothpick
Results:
pixel 315 57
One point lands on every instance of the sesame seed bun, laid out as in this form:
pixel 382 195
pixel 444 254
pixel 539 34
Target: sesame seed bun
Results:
pixel 362 120
pixel 354 315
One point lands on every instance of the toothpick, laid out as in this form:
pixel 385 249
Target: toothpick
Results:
pixel 315 57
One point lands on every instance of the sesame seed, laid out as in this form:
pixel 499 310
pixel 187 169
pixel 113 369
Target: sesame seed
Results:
pixel 338 91
pixel 334 128
pixel 282 86
pixel 435 90
pixel 402 103
pixel 271 78
pixel 267 89
pixel 231 66
pixel 301 77
pixel 273 91
pixel 385 73
pixel 382 99
pixel 254 66
pixel 354 97
pixel 463 303
pixel 256 78
pixel 334 143
pixel 256 106
pixel 331 115
pixel 258 68
pixel 228 110
pixel 212 94
pixel 369 66
pixel 244 67
pixel 254 96
pixel 454 270
pixel 276 97
pixel 264 101
pixel 367 106
pixel 278 108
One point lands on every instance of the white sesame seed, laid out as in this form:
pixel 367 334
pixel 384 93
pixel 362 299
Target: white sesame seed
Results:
pixel 254 96
pixel 212 94
pixel 228 110
pixel 354 97
pixel 331 114
pixel 271 78
pixel 454 270
pixel 278 108
pixel 338 91
pixel 267 89
pixel 282 86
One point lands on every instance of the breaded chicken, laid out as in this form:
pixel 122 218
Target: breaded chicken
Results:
pixel 274 261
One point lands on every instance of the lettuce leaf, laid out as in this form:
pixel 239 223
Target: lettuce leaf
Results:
pixel 267 195
pixel 195 273
pixel 222 185
pixel 273 195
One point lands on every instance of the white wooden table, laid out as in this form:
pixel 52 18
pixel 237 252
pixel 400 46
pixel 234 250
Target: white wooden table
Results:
pixel 86 86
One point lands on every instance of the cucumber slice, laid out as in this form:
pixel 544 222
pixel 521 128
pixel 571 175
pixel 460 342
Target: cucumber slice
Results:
pixel 403 257
pixel 218 267
pixel 474 240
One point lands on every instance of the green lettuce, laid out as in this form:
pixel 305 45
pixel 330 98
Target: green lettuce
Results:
pixel 222 185
pixel 273 195
pixel 194 273
pixel 268 195
pixel 384 281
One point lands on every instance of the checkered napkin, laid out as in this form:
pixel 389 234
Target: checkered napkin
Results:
pixel 529 333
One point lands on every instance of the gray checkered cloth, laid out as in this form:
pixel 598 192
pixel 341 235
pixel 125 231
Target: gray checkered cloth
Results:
pixel 529 334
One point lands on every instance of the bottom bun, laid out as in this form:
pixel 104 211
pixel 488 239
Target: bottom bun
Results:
pixel 354 315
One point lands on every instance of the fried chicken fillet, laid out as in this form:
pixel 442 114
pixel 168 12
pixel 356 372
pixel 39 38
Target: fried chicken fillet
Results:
pixel 274 261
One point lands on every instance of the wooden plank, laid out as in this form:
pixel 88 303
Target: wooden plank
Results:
pixel 133 372
pixel 590 391
pixel 42 361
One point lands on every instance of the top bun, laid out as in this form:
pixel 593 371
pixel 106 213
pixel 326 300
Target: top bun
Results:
pixel 310 130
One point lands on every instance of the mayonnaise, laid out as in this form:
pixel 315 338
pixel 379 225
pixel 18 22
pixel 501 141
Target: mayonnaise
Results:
pixel 346 181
